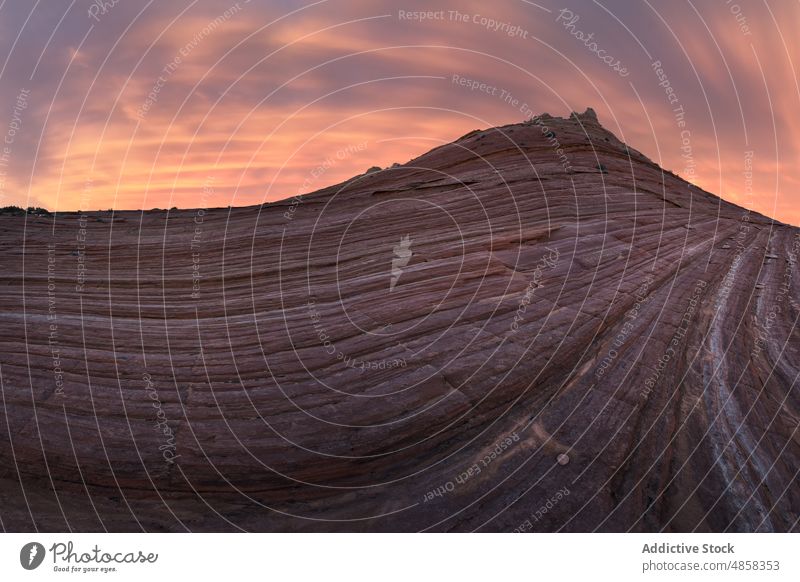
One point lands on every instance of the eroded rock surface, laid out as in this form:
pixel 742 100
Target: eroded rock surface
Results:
pixel 531 328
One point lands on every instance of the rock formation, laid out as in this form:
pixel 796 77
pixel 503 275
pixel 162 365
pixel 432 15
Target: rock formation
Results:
pixel 534 328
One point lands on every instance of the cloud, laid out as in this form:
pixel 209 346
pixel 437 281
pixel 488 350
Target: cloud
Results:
pixel 152 98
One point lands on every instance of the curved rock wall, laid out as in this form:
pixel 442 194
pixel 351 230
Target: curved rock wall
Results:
pixel 533 328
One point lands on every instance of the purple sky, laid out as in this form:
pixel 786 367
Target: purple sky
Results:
pixel 139 104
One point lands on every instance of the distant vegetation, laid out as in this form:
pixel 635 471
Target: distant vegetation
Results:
pixel 17 211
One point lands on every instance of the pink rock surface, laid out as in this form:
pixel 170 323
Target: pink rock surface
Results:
pixel 411 350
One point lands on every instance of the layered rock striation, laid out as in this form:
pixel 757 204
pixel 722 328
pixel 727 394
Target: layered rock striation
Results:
pixel 533 328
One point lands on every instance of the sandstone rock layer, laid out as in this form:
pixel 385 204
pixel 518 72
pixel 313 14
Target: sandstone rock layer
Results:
pixel 532 328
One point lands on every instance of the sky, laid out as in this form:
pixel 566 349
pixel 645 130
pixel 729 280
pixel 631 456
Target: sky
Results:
pixel 137 104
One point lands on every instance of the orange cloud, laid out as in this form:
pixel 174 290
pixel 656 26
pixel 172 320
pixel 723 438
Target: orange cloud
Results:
pixel 142 111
